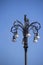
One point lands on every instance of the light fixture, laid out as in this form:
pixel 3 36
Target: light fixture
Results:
pixel 16 35
pixel 13 39
pixel 25 28
pixel 37 35
pixel 28 35
pixel 35 39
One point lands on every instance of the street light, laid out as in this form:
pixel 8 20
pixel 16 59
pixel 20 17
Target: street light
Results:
pixel 35 26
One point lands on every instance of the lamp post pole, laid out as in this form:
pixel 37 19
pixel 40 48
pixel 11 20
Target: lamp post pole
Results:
pixel 25 31
pixel 35 26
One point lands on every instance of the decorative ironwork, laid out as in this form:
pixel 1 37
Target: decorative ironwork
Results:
pixel 35 26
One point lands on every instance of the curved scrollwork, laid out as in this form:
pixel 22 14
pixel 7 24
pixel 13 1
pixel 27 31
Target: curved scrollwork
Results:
pixel 35 26
pixel 16 26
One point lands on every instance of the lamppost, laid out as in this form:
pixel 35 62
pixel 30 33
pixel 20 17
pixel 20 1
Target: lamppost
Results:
pixel 35 26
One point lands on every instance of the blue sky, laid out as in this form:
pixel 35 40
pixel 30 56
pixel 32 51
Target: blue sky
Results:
pixel 13 53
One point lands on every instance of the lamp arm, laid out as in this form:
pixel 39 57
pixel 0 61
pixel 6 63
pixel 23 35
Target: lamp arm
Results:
pixel 36 24
pixel 15 27
pixel 19 22
pixel 33 28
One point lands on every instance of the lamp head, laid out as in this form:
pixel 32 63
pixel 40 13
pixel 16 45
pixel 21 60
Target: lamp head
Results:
pixel 16 34
pixel 35 39
pixel 37 35
pixel 28 35
pixel 14 39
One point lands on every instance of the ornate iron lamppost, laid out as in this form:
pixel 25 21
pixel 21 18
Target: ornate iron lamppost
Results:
pixel 35 26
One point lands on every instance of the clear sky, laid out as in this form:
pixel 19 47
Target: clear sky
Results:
pixel 13 53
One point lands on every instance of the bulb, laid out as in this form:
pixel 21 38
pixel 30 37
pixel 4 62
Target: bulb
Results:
pixel 38 37
pixel 28 35
pixel 35 39
pixel 14 39
pixel 16 35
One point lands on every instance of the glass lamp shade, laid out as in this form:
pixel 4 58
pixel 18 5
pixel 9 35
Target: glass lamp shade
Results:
pixel 28 35
pixel 14 39
pixel 38 37
pixel 35 39
pixel 16 35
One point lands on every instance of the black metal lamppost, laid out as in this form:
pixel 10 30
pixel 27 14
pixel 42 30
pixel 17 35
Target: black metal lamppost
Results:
pixel 35 26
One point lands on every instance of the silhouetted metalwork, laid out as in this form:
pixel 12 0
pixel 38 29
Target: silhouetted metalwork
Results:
pixel 35 26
